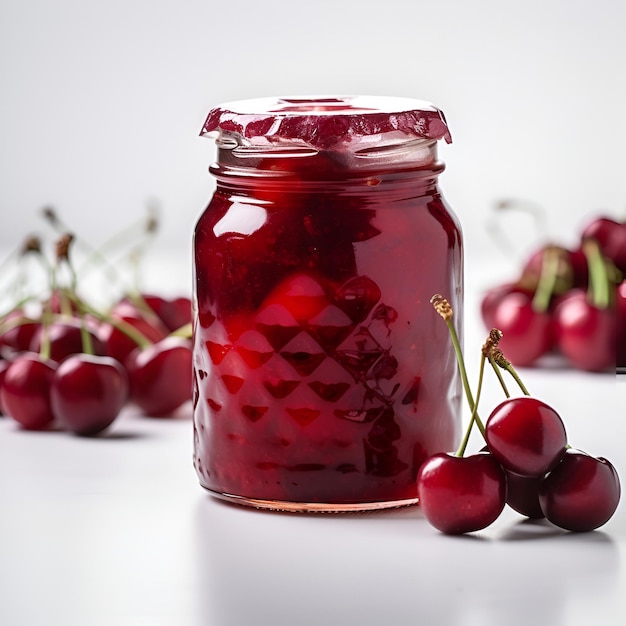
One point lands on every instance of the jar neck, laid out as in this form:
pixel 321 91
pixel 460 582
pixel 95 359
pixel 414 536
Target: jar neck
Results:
pixel 418 182
pixel 299 169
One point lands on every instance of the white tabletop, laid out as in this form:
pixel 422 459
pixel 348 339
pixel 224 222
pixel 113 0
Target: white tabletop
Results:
pixel 116 530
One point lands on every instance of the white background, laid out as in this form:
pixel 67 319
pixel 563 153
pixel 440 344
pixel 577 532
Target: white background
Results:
pixel 101 102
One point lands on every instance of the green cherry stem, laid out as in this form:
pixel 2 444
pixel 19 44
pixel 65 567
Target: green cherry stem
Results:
pixel 442 306
pixel 85 336
pixel 7 324
pixel 46 320
pixel 488 350
pixel 474 419
pixel 184 331
pixel 496 369
pixel 547 280
pixel 63 245
pixel 128 329
pixel 496 357
pixel 599 290
pixel 505 364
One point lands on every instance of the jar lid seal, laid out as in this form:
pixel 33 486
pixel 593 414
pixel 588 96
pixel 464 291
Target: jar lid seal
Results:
pixel 327 122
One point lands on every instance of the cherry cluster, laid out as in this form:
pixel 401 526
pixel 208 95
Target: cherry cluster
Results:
pixel 65 364
pixel 567 301
pixel 526 463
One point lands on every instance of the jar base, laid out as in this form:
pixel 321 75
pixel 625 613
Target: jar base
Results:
pixel 312 507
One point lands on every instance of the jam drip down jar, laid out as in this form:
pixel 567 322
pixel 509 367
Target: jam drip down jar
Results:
pixel 323 377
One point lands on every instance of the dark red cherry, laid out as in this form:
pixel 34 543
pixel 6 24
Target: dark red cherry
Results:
pixel 4 365
pixel 117 343
pixel 567 268
pixel 88 392
pixel 526 436
pixel 527 333
pixel 26 391
pixel 522 494
pixel 161 376
pixel 491 300
pixel 65 337
pixel 18 338
pixel 620 314
pixel 61 302
pixel 581 493
pixel 611 236
pixel 174 313
pixel 586 334
pixel 461 494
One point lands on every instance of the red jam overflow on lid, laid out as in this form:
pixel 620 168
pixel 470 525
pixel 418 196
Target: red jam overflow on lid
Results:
pixel 326 122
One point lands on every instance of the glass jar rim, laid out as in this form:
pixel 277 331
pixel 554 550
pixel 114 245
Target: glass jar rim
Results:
pixel 323 122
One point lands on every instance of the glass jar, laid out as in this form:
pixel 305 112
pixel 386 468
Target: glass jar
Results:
pixel 323 376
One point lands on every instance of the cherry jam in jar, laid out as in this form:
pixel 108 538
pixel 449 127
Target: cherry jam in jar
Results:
pixel 323 376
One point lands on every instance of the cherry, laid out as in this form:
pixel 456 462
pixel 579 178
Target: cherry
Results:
pixel 491 301
pixel 570 268
pixel 585 334
pixel 581 493
pixel 60 302
pixel 527 333
pixel 161 376
pixel 585 322
pixel 461 494
pixel 526 436
pixel 19 337
pixel 117 343
pixel 611 236
pixel 620 310
pixel 65 337
pixel 4 365
pixel 26 391
pixel 522 494
pixel 88 392
pixel 173 313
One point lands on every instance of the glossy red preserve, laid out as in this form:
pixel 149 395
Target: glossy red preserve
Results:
pixel 323 377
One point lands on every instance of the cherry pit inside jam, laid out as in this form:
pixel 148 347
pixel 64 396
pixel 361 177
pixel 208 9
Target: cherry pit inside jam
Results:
pixel 323 378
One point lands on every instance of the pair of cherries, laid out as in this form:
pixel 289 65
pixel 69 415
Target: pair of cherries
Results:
pixel 78 371
pixel 526 463
pixel 566 300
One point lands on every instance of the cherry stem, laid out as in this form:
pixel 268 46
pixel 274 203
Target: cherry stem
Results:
pixel 536 211
pixel 51 216
pixel 138 300
pixel 442 306
pixel 85 336
pixel 505 364
pixel 142 226
pixel 492 352
pixel 184 331
pixel 7 325
pixel 496 369
pixel 599 292
pixel 128 329
pixel 474 419
pixel 46 320
pixel 18 305
pixel 550 262
pixel 147 227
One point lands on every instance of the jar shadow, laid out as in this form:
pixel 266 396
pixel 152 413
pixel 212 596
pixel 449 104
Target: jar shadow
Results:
pixel 275 568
